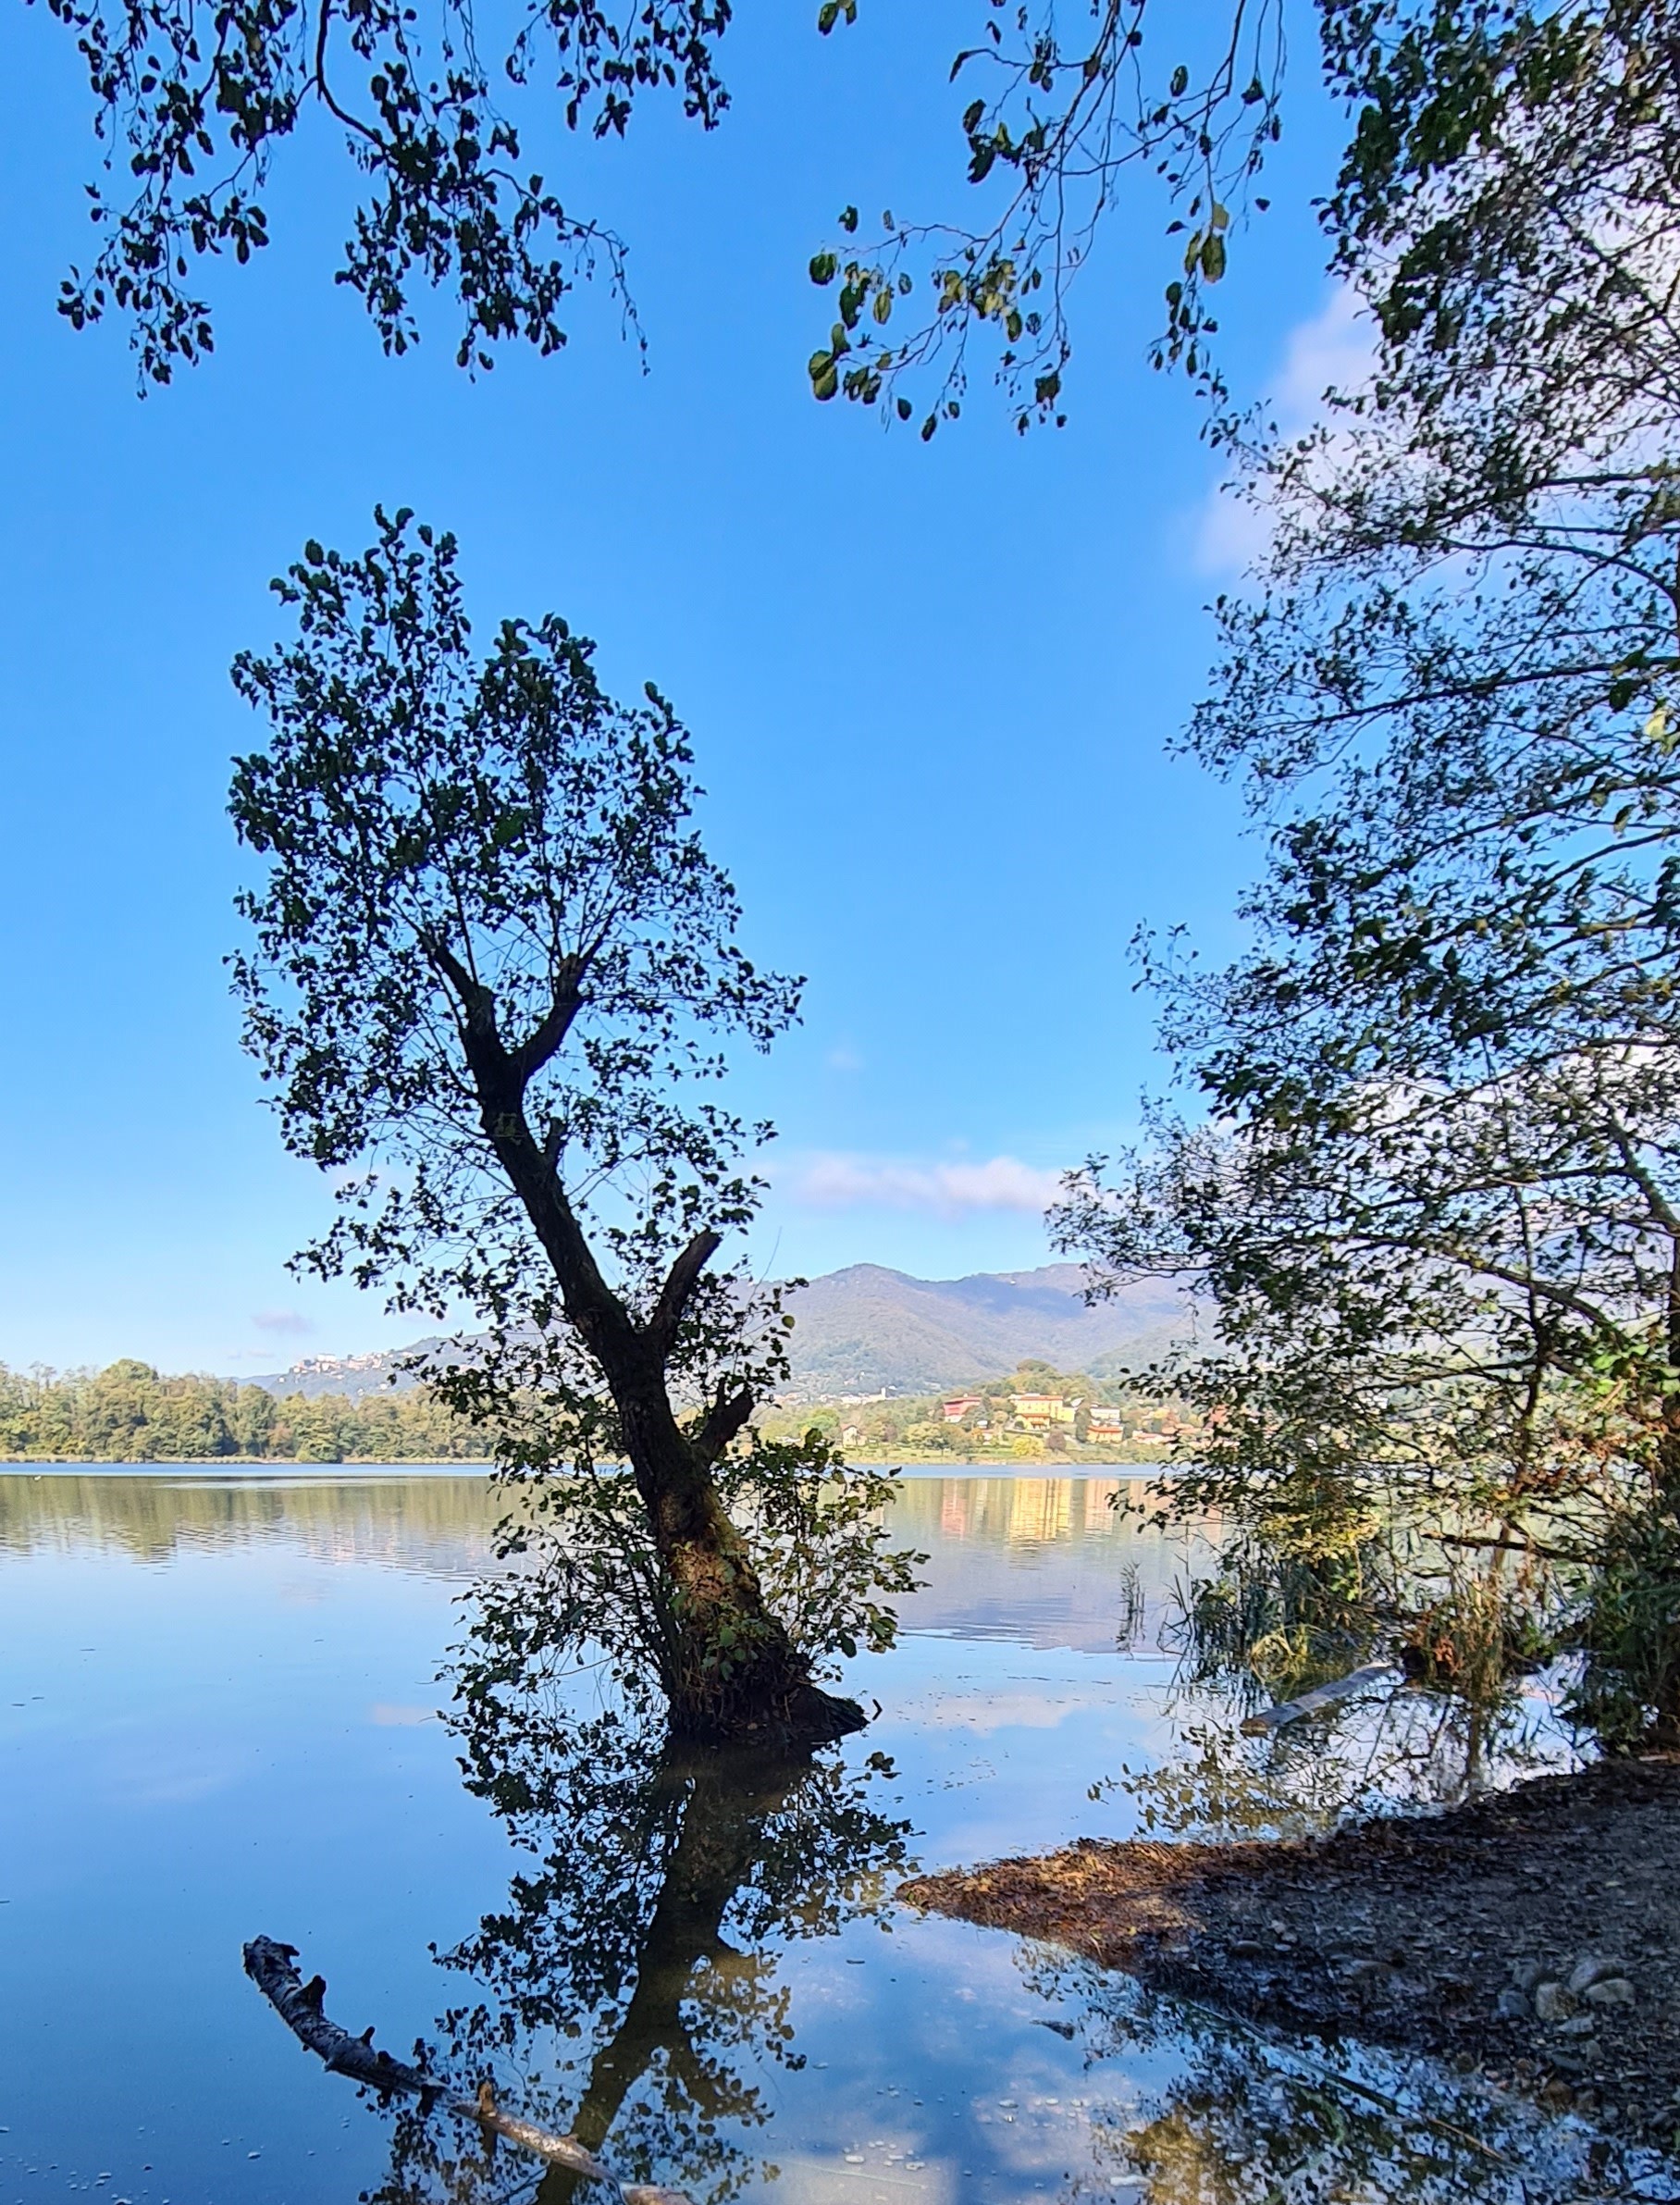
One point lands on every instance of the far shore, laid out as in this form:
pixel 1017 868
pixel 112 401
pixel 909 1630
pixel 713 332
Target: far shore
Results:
pixel 915 1466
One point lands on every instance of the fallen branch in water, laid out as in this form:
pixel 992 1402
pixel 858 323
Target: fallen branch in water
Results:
pixel 273 1968
pixel 1324 1695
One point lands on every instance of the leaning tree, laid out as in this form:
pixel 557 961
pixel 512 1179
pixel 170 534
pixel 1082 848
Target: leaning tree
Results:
pixel 493 978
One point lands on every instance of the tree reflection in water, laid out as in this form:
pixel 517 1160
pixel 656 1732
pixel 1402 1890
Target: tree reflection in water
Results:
pixel 1401 1750
pixel 631 1982
pixel 1249 2118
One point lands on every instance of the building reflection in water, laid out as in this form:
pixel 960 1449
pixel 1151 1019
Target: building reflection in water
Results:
pixel 1033 1558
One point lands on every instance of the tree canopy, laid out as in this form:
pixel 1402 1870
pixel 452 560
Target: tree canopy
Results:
pixel 493 983
pixel 196 103
pixel 440 116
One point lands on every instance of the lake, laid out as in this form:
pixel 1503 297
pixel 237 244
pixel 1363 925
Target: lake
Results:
pixel 220 1717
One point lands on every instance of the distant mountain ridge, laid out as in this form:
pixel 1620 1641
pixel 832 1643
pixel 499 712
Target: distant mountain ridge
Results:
pixel 868 1330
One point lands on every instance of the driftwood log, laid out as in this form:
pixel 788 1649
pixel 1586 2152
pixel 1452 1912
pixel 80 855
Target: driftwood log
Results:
pixel 1326 1695
pixel 272 1966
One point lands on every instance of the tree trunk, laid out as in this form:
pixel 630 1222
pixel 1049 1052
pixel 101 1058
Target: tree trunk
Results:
pixel 729 1669
pixel 730 1672
pixel 1668 1445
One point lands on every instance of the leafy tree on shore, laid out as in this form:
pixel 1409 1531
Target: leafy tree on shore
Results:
pixel 1434 1182
pixel 495 974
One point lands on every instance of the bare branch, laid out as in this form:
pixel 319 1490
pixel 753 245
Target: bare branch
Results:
pixel 679 1283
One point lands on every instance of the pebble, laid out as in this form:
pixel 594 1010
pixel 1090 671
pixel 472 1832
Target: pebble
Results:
pixel 1512 2006
pixel 1525 1973
pixel 1366 1973
pixel 1550 2001
pixel 1591 1967
pixel 1582 2026
pixel 1611 1991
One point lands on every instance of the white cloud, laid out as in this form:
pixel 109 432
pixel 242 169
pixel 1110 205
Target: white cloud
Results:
pixel 838 1181
pixel 1334 350
pixel 289 1323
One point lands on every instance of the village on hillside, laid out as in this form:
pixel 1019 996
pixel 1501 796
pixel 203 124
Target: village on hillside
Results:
pixel 1035 1414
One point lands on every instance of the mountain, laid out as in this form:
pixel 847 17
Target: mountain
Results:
pixel 867 1330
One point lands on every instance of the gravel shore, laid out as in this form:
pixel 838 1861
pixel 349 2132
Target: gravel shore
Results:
pixel 1531 1935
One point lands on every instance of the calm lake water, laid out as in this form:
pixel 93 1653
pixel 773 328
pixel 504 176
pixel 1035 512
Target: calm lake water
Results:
pixel 218 1716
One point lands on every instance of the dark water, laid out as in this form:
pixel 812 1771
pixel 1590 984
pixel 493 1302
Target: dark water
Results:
pixel 217 1717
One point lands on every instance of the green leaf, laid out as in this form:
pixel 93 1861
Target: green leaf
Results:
pixel 824 267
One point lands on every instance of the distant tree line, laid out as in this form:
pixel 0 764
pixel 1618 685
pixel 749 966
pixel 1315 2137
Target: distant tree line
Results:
pixel 128 1412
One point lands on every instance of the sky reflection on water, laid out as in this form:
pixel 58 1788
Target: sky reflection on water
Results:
pixel 218 1718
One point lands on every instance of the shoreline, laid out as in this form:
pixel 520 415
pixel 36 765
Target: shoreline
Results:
pixel 479 1466
pixel 1458 1935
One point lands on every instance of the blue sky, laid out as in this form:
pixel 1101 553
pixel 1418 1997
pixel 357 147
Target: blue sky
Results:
pixel 930 687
